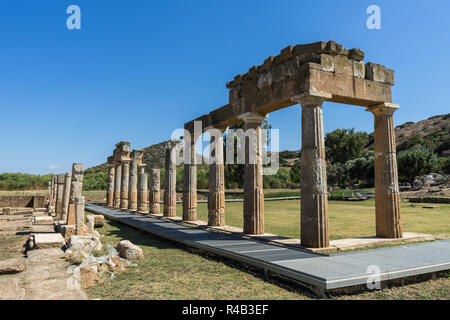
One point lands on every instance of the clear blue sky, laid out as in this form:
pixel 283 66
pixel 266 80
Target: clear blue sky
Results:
pixel 139 69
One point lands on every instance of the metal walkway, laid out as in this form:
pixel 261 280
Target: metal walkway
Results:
pixel 321 271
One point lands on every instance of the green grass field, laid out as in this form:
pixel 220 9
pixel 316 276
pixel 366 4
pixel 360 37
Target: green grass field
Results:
pixel 346 219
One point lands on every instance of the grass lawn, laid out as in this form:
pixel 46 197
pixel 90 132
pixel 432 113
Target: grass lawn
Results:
pixel 346 219
pixel 169 271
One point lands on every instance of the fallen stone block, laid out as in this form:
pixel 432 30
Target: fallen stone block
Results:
pixel 14 265
pixel 47 240
pixel 129 251
pixel 80 247
pixel 99 220
pixel 43 220
pixel 7 211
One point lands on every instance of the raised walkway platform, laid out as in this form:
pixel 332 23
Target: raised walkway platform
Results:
pixel 322 272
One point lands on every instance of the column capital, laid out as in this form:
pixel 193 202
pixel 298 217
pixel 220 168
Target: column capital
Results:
pixel 252 117
pixel 311 98
pixel 385 108
pixel 220 128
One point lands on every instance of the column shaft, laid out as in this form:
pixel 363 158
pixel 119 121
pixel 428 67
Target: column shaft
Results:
pixel 170 181
pixel 190 183
pixel 59 195
pixel 253 178
pixel 155 192
pixel 110 192
pixel 76 186
pixel 216 196
pixel 117 184
pixel 133 191
pixel 142 190
pixel 125 184
pixel 66 196
pixel 387 197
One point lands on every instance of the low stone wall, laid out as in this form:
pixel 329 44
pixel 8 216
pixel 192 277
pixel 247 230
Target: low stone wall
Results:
pixel 22 201
pixel 430 200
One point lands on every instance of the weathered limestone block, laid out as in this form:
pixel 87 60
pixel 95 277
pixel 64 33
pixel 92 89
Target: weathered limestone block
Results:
pixel 343 65
pixel 142 190
pixel 125 184
pixel 253 178
pixel 190 180
pixel 59 194
pixel 80 247
pixel 129 251
pixel 155 193
pixel 132 189
pixel 75 190
pixel 359 69
pixel 379 73
pixel 170 195
pixel 387 196
pixel 99 220
pixel 66 196
pixel 356 54
pixel 314 204
pixel 110 191
pixel 216 197
pixel 117 184
pixel 7 211
pixel 90 224
pixel 79 213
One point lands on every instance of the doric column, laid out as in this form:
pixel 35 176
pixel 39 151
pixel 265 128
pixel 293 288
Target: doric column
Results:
pixel 253 178
pixel 66 196
pixel 117 183
pixel 79 215
pixel 49 193
pixel 142 190
pixel 387 198
pixel 125 184
pixel 53 194
pixel 216 196
pixel 76 186
pixel 155 194
pixel 59 195
pixel 190 180
pixel 110 191
pixel 170 181
pixel 132 189
pixel 314 195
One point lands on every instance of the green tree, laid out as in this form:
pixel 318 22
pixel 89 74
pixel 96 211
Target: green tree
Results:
pixel 416 161
pixel 342 145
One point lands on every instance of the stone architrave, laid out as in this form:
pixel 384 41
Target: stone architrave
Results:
pixel 66 197
pixel 117 183
pixel 125 184
pixel 110 191
pixel 253 178
pixel 216 196
pixel 170 181
pixel 155 191
pixel 75 190
pixel 142 190
pixel 132 188
pixel 79 216
pixel 387 196
pixel 190 181
pixel 314 202
pixel 59 195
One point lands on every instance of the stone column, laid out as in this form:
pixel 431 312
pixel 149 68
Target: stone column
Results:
pixel 170 182
pixel 314 194
pixel 79 214
pixel 253 178
pixel 190 181
pixel 110 191
pixel 132 188
pixel 75 190
pixel 216 196
pixel 117 184
pixel 142 190
pixel 154 194
pixel 387 197
pixel 59 195
pixel 66 197
pixel 125 184
pixel 49 193
pixel 55 190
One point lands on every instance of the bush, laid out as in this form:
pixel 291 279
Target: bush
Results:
pixel 416 161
